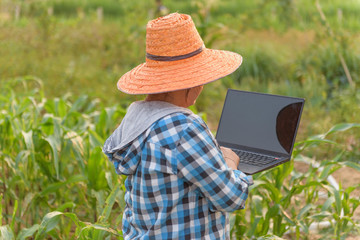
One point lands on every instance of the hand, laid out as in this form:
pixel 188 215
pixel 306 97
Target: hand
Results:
pixel 231 159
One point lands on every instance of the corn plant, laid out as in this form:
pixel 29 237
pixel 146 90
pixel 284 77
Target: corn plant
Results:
pixel 52 164
pixel 56 183
pixel 286 202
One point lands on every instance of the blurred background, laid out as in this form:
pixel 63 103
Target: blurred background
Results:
pixel 305 48
pixel 60 61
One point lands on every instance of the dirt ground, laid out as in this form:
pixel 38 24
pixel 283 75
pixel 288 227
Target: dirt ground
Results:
pixel 347 177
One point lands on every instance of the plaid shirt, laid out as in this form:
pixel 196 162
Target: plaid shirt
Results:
pixel 181 187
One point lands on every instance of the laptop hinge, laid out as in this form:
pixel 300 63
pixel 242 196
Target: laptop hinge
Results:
pixel 255 150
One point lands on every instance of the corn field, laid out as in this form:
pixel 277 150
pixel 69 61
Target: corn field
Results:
pixel 56 183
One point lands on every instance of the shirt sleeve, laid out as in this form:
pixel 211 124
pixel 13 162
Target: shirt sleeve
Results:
pixel 200 162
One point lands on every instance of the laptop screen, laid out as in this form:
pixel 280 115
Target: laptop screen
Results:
pixel 260 121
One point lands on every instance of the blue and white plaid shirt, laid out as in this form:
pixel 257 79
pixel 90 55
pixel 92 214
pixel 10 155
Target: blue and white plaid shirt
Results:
pixel 181 187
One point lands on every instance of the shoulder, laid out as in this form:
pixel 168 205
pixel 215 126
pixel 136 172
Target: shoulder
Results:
pixel 180 119
pixel 168 130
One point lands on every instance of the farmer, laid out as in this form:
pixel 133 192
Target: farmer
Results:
pixel 180 184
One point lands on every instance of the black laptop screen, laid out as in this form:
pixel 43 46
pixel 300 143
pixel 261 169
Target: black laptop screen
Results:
pixel 259 121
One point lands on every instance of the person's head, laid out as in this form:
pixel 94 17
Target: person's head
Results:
pixel 183 98
pixel 177 62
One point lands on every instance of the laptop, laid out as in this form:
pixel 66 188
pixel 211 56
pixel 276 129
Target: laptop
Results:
pixel 260 128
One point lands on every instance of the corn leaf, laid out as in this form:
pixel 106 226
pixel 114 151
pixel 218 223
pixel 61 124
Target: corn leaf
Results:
pixel 353 165
pixel 14 214
pixel 109 204
pixel 27 232
pixel 56 186
pixel 6 233
pixel 28 138
pixel 48 223
pixel 336 194
pixel 342 127
pixel 304 210
pixel 55 145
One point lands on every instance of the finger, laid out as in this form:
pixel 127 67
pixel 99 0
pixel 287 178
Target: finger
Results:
pixel 225 149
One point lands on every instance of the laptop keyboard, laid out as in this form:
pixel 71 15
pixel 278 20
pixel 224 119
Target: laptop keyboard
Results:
pixel 254 158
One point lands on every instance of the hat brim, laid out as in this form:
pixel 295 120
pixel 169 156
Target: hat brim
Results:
pixel 159 76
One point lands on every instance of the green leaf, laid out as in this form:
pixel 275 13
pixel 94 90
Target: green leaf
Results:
pixel 121 198
pixel 79 104
pixel 95 139
pixel 108 176
pixel 257 204
pixel 100 200
pixel 47 124
pixel 320 216
pixel 95 170
pixel 102 228
pixel 254 226
pixel 337 201
pixel 325 172
pixel 56 186
pixel 274 192
pixel 22 157
pixel 232 218
pixel 101 123
pixel 60 107
pixel 6 233
pixel 51 219
pixel 75 219
pixel 353 165
pixel 28 138
pixel 55 145
pixel 336 194
pixel 327 203
pixel 109 204
pixel 314 141
pixel 76 140
pixel 273 211
pixel 45 167
pixel 50 106
pixel 352 188
pixel 342 127
pixel 29 197
pixel 14 214
pixel 284 171
pixel 66 205
pixel 76 145
pixel 27 232
pixel 48 223
pixel 286 216
pixel 304 210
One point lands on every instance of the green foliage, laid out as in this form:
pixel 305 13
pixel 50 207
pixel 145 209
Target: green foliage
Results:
pixel 58 181
pixel 261 64
pixel 285 201
pixel 52 162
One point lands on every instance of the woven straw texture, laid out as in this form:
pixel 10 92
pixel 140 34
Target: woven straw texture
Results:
pixel 171 36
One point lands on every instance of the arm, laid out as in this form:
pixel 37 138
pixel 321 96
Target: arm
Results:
pixel 201 163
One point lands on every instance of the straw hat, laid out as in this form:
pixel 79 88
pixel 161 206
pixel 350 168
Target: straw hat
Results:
pixel 176 58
